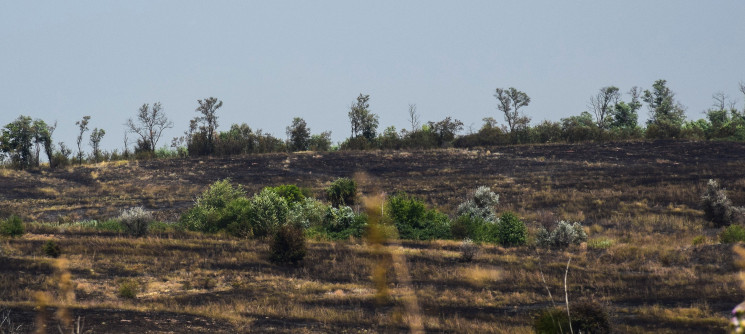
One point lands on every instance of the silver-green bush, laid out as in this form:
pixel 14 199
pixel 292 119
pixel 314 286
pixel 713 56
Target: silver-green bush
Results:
pixel 468 250
pixel 481 205
pixel 135 221
pixel 563 235
pixel 719 209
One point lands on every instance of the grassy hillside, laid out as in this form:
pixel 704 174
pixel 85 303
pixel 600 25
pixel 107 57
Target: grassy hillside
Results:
pixel 639 203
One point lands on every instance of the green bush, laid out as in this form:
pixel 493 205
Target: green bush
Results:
pixel 12 227
pixel 288 245
pixel 236 218
pixel 308 213
pixel 699 240
pixel 51 249
pixel 128 288
pixel 220 193
pixel 563 235
pixel 135 221
pixel 732 233
pixel 587 317
pixel 414 221
pixel 290 192
pixel 343 191
pixel 475 228
pixel 511 230
pixel 342 223
pixel 270 211
pixel 207 215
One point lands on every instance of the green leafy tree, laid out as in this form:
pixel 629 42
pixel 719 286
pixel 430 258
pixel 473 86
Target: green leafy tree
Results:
pixel 95 139
pixel 43 137
pixel 17 141
pixel 320 142
pixel 510 101
pixel 579 128
pixel 299 135
pixel 667 115
pixel 445 130
pixel 364 123
pixel 208 121
pixel 83 126
pixel 626 114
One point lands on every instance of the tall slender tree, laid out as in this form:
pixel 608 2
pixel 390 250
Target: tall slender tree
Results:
pixel 208 120
pixel 83 126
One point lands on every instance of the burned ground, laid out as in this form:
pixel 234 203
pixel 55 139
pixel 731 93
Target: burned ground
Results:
pixel 639 202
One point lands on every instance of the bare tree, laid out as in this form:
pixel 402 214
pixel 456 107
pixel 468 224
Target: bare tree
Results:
pixel 603 103
pixel 720 100
pixel 510 102
pixel 150 124
pixel 414 118
pixel 126 143
pixel 83 125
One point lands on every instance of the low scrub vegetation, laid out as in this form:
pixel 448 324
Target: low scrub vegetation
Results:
pixel 12 227
pixel 135 221
pixel 586 317
pixel 288 245
pixel 563 235
pixel 731 234
pixel 414 220
pixel 51 249
pixel 718 208
pixel 342 191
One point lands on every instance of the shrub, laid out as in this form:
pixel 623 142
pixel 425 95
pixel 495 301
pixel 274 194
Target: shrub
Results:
pixel 481 204
pixel 699 240
pixel 732 233
pixel 414 221
pixel 270 211
pixel 51 249
pixel 511 230
pixel 288 245
pixel 207 215
pixel 342 223
pixel 563 235
pixel 236 218
pixel 128 289
pixel 220 193
pixel 587 317
pixel 718 209
pixel 308 213
pixel 468 250
pixel 343 191
pixel 135 221
pixel 290 192
pixel 475 228
pixel 12 227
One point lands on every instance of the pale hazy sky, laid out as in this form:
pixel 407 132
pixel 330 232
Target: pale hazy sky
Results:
pixel 270 61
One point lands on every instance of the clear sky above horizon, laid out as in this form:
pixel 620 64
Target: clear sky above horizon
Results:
pixel 270 61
